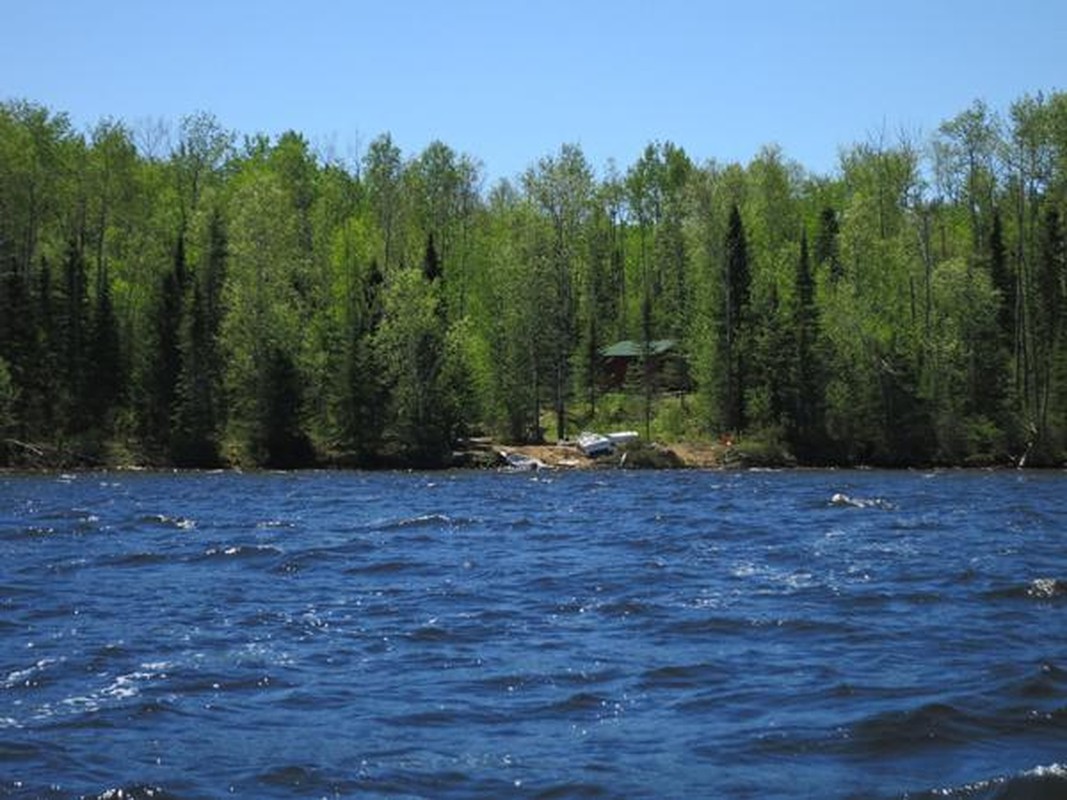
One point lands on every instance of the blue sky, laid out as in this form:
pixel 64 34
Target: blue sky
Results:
pixel 508 82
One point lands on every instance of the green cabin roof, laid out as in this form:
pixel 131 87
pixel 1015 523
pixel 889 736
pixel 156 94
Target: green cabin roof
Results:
pixel 629 349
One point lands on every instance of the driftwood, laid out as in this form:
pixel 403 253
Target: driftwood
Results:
pixel 30 448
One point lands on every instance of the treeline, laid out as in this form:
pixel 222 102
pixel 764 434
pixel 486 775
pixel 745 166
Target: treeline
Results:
pixel 185 297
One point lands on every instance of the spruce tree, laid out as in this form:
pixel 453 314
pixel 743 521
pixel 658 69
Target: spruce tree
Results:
pixel 106 380
pixel 737 285
pixel 808 403
pixel 1003 280
pixel 199 412
pixel 282 442
pixel 160 385
pixel 196 424
pixel 74 327
pixel 18 336
pixel 431 262
pixel 827 252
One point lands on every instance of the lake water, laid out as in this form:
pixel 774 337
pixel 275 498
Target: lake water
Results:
pixel 557 635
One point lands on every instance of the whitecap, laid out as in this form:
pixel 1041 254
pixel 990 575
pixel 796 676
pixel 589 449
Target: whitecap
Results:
pixel 842 500
pixel 167 521
pixel 1050 771
pixel 1046 588
pixel 125 686
pixel 24 677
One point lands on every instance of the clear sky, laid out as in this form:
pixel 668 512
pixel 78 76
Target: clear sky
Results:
pixel 508 82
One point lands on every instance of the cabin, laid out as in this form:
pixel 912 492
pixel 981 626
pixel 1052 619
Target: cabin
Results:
pixel 622 362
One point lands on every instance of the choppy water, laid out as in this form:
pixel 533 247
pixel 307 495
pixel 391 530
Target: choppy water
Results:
pixel 458 635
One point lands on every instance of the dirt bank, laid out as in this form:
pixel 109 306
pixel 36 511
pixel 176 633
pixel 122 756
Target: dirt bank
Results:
pixel 568 456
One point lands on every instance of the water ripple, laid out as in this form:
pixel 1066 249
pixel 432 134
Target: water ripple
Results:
pixel 463 635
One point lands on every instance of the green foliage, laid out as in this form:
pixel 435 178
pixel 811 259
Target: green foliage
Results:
pixel 258 305
pixel 412 347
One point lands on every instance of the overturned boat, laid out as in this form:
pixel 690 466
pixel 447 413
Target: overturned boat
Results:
pixel 599 444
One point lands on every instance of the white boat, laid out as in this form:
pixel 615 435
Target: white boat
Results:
pixel 623 437
pixel 595 444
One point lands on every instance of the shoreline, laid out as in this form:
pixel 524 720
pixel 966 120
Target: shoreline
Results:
pixel 491 454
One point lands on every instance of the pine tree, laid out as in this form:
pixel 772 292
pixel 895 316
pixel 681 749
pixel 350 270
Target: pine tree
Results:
pixel 163 370
pixel 431 262
pixel 199 412
pixel 74 327
pixel 992 339
pixel 737 282
pixel 282 443
pixel 808 406
pixel 39 400
pixel 106 381
pixel 827 252
pixel 196 423
pixel 18 334
pixel 1003 280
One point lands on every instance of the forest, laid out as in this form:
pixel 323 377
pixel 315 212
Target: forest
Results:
pixel 182 295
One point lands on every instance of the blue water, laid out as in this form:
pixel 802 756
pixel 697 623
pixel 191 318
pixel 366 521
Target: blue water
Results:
pixel 558 635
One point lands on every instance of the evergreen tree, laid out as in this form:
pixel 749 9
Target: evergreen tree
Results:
pixel 281 442
pixel 807 419
pixel 196 420
pixel 163 369
pixel 38 404
pixel 198 416
pixel 106 381
pixel 18 338
pixel 362 392
pixel 431 263
pixel 1003 280
pixel 827 250
pixel 907 435
pixel 992 339
pixel 734 324
pixel 74 327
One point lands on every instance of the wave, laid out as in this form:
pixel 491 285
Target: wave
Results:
pixel 933 723
pixel 305 778
pixel 582 703
pixel 841 500
pixel 433 521
pixel 139 559
pixel 134 793
pixel 1037 589
pixel 1047 782
pixel 944 725
pixel 684 677
pixel 1047 588
pixel 1049 682
pixel 242 551
pixel 31 677
pixel 166 521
